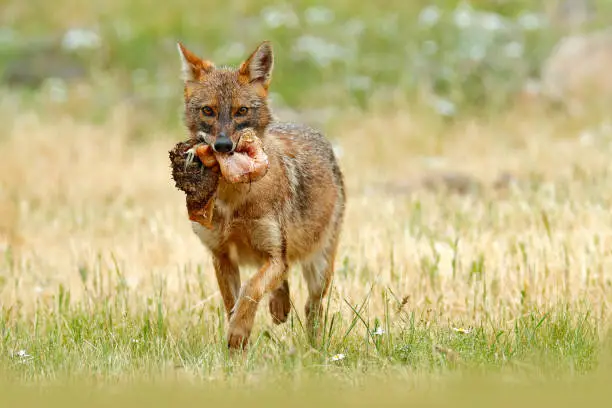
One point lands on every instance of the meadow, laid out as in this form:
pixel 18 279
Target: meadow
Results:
pixel 475 254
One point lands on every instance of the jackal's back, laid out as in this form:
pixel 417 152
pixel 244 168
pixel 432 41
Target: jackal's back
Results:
pixel 314 205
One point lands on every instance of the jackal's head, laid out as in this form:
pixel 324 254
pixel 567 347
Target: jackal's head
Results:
pixel 220 102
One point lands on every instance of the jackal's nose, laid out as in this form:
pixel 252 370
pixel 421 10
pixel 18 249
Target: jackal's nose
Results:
pixel 223 145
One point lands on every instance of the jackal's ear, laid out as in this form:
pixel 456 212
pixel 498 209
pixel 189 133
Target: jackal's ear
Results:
pixel 258 67
pixel 193 68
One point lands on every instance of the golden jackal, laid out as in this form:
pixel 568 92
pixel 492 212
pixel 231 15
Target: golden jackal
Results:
pixel 292 215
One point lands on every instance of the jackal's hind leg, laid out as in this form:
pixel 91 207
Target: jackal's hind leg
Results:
pixel 280 303
pixel 318 273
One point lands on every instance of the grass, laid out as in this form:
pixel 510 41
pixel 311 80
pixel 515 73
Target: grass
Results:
pixel 118 345
pixel 474 256
pixel 103 280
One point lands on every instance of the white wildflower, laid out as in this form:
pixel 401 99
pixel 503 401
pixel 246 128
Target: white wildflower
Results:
pixel 320 50
pixel 477 52
pixel 338 357
pixel 23 356
pixel 378 332
pixel 354 28
pixel 278 17
pixel 77 38
pixel 514 49
pixel 445 107
pixel 492 22
pixel 319 15
pixel 463 17
pixel 531 21
pixel 429 16
pixel 462 330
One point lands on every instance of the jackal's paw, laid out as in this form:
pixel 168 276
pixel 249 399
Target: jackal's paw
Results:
pixel 237 339
pixel 189 157
pixel 280 306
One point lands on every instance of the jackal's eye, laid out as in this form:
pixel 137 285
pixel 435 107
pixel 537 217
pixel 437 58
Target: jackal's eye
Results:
pixel 242 111
pixel 207 111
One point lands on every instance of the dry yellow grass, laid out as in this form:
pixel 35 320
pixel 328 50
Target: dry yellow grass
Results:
pixel 78 195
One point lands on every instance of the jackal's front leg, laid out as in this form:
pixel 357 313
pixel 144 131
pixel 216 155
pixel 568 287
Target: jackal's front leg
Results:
pixel 267 279
pixel 228 278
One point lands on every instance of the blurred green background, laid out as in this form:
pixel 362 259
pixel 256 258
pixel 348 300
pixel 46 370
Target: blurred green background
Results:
pixel 451 57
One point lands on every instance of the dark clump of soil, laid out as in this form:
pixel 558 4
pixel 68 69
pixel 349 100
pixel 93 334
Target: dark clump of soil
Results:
pixel 198 182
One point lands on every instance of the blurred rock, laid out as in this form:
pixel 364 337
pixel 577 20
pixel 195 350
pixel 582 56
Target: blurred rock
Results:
pixel 317 118
pixel 28 62
pixel 449 182
pixel 573 14
pixel 452 182
pixel 504 181
pixel 578 71
pixel 392 188
pixel 32 66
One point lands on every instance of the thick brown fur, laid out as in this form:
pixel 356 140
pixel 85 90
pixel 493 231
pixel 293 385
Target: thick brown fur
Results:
pixel 293 215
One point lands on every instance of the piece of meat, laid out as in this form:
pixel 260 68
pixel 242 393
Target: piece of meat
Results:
pixel 197 181
pixel 248 163
pixel 196 170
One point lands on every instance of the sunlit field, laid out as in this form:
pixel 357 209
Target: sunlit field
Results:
pixel 476 241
